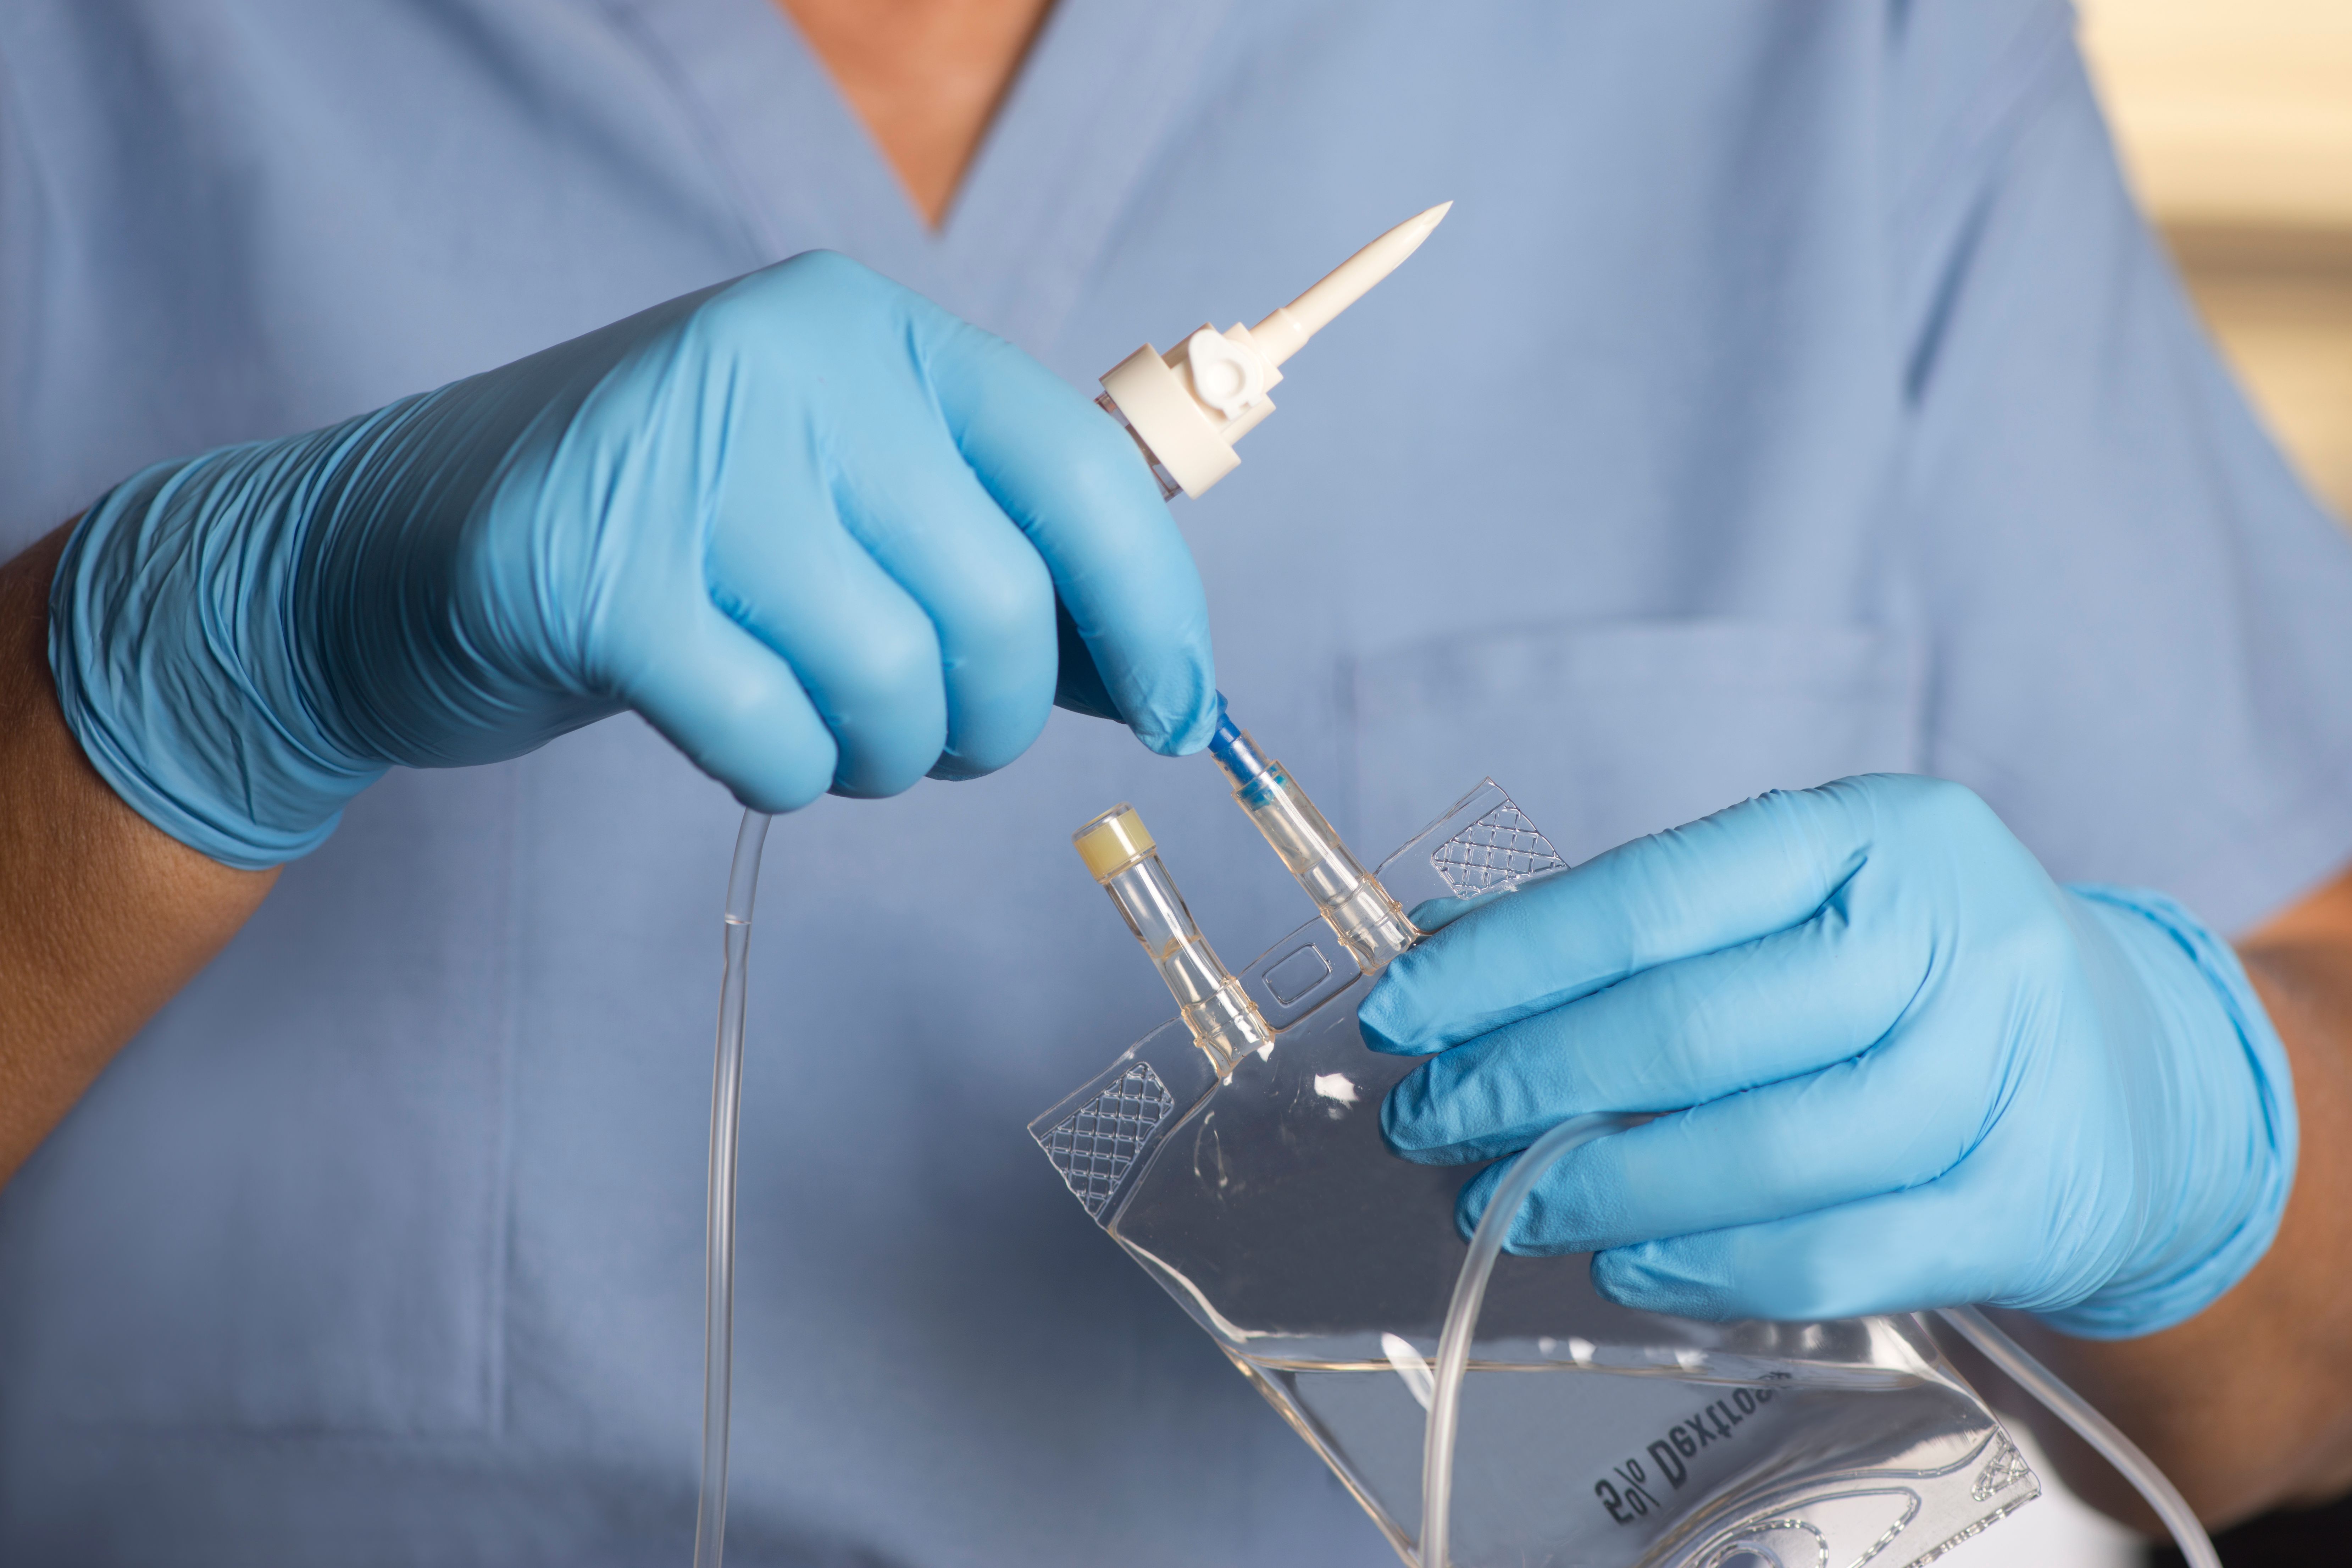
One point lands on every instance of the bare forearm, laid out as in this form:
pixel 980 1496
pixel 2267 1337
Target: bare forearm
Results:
pixel 2248 1406
pixel 101 916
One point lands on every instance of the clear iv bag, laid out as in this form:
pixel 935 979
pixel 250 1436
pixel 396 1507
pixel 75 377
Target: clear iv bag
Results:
pixel 1589 1434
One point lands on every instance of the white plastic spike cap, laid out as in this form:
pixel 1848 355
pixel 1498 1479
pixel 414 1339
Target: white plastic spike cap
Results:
pixel 1189 406
pixel 1280 335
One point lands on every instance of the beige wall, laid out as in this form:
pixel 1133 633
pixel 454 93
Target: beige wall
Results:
pixel 2235 119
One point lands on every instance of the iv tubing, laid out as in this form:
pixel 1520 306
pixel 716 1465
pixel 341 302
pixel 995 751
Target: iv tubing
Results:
pixel 1462 1319
pixel 1470 1294
pixel 2090 1426
pixel 719 1231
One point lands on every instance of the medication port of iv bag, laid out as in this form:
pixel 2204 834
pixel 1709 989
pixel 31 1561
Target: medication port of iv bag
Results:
pixel 1118 850
pixel 1257 1191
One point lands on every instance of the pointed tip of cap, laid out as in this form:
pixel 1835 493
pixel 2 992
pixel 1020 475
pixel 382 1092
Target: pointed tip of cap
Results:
pixel 1345 284
pixel 1420 224
pixel 1415 229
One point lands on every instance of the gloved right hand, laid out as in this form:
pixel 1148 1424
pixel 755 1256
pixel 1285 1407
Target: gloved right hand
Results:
pixel 1892 1066
pixel 811 526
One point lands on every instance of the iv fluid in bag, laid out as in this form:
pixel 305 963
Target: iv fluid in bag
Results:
pixel 1590 1433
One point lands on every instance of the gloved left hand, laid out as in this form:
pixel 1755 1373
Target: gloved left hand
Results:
pixel 816 531
pixel 1895 1067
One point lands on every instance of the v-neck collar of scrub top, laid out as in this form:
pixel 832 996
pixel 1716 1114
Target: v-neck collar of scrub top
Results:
pixel 1091 105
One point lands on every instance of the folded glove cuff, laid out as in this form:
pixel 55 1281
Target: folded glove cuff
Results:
pixel 164 589
pixel 2192 1274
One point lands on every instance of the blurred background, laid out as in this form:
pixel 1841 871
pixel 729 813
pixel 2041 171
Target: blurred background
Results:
pixel 2235 121
pixel 2234 118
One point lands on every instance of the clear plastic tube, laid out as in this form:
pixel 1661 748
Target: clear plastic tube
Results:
pixel 1369 923
pixel 1462 1319
pixel 2090 1426
pixel 1118 850
pixel 1470 1294
pixel 719 1230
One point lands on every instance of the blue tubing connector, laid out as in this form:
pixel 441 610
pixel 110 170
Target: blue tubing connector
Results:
pixel 1234 751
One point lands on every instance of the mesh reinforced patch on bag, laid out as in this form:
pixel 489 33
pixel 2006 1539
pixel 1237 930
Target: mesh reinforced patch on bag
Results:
pixel 1094 1146
pixel 1501 847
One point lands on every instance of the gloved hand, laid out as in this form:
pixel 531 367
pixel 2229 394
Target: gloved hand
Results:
pixel 1895 1066
pixel 811 526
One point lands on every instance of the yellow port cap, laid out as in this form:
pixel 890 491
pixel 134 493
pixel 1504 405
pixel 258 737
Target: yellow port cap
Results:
pixel 1113 841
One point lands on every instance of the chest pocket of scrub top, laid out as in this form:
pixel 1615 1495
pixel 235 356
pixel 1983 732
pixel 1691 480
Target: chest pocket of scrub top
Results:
pixel 1606 732
pixel 282 1208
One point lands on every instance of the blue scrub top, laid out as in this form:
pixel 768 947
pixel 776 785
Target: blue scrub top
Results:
pixel 1791 393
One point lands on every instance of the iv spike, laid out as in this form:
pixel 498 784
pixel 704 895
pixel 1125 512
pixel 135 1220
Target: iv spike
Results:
pixel 1282 334
pixel 1187 406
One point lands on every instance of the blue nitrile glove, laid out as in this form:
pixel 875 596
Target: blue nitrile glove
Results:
pixel 1898 1068
pixel 810 525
